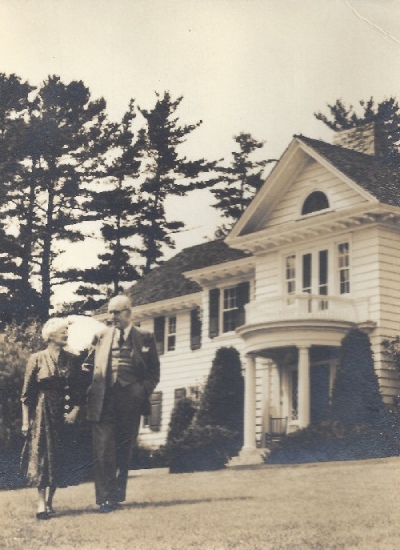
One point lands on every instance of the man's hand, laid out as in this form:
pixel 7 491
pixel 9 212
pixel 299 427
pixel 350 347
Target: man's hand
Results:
pixel 71 417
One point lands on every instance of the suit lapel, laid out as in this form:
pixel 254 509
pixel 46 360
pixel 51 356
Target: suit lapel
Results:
pixel 103 354
pixel 136 340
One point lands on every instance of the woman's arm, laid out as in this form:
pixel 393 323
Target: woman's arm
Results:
pixel 25 419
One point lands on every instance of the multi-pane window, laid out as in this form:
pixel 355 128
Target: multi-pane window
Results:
pixel 323 278
pixel 171 335
pixel 291 274
pixel 229 309
pixel 344 268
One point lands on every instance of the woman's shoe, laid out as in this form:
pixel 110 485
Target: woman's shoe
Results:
pixel 42 515
pixel 50 510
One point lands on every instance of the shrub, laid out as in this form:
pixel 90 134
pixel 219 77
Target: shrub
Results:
pixel 18 342
pixel 356 398
pixel 181 418
pixel 223 398
pixel 201 448
pixel 207 439
pixel 331 441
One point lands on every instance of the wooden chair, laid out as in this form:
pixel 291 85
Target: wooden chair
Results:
pixel 277 429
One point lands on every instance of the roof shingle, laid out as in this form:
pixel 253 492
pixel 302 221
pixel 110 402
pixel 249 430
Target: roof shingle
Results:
pixel 167 280
pixel 378 176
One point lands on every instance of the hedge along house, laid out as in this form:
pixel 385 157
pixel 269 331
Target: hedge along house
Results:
pixel 315 253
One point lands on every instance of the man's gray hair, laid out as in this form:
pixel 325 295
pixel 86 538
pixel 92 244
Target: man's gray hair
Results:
pixel 121 301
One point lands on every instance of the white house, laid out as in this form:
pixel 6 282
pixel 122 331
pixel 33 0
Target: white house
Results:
pixel 316 253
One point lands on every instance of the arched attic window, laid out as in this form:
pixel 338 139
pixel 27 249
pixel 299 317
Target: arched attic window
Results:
pixel 317 200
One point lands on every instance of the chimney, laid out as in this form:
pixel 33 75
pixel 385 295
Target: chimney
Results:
pixel 370 138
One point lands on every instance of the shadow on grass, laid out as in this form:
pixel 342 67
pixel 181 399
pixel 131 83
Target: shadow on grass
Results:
pixel 142 505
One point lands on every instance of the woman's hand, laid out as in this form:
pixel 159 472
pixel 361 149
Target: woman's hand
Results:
pixel 71 417
pixel 25 429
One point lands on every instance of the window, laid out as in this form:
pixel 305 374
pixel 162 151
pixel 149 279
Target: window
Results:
pixel 165 338
pixel 290 274
pixel 179 394
pixel 227 311
pixel 159 334
pixel 154 420
pixel 314 202
pixel 171 337
pixel 344 268
pixel 195 328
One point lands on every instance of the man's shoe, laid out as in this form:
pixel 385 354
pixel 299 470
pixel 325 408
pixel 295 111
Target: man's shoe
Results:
pixel 105 508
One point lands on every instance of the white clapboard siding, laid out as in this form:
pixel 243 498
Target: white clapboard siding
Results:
pixel 312 178
pixel 267 276
pixel 376 274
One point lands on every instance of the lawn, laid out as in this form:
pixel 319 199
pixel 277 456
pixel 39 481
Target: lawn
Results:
pixel 337 505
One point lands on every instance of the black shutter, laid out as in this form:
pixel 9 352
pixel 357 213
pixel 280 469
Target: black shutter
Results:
pixel 155 415
pixel 243 298
pixel 180 393
pixel 213 329
pixel 195 329
pixel 159 333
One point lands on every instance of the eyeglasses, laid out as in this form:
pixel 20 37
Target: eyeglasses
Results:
pixel 117 311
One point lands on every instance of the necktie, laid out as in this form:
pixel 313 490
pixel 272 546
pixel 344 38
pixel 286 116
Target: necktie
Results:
pixel 121 339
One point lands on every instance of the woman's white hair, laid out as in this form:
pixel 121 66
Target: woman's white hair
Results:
pixel 52 325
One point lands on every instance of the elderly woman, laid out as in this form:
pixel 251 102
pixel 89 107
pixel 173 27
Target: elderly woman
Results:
pixel 51 397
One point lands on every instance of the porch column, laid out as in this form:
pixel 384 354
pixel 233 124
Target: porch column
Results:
pixel 304 386
pixel 265 367
pixel 250 404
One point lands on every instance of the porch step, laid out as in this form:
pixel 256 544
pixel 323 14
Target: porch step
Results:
pixel 248 457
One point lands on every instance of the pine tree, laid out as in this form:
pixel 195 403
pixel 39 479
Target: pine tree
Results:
pixel 166 174
pixel 114 201
pixel 16 198
pixel 241 180
pixel 386 113
pixel 63 139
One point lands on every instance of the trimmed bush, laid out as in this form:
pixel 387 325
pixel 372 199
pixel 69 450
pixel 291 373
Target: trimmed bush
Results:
pixel 356 398
pixel 223 398
pixel 216 432
pixel 201 448
pixel 332 441
pixel 181 418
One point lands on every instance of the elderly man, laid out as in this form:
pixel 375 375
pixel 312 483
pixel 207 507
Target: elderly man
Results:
pixel 126 369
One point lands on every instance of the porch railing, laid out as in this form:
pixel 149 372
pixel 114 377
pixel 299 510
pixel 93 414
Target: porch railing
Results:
pixel 307 306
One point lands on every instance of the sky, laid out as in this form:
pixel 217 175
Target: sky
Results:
pixel 257 66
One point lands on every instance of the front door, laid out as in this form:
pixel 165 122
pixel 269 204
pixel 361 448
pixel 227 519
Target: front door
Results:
pixel 319 393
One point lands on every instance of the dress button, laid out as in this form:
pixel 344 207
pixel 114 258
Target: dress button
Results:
pixel 67 398
pixel 66 388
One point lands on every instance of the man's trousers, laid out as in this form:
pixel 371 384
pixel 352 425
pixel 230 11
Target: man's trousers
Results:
pixel 114 437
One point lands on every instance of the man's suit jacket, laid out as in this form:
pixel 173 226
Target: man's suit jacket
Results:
pixel 145 359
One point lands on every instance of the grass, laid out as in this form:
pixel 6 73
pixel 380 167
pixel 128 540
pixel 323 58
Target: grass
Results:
pixel 325 506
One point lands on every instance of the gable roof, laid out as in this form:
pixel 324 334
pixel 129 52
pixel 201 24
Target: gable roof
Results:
pixel 167 280
pixel 380 177
pixel 377 178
